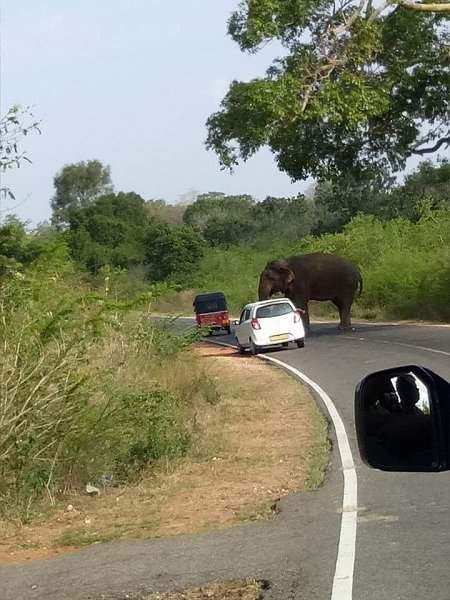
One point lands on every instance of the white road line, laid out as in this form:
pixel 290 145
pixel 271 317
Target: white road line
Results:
pixel 363 339
pixel 343 575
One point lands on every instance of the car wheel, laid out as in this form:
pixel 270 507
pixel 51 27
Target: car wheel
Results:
pixel 300 343
pixel 285 344
pixel 240 349
pixel 253 348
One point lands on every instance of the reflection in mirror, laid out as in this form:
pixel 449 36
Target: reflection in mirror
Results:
pixel 397 421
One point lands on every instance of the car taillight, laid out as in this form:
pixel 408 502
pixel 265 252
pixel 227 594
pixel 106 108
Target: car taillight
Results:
pixel 255 324
pixel 297 316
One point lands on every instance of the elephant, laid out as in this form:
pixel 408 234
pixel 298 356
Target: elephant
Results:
pixel 314 276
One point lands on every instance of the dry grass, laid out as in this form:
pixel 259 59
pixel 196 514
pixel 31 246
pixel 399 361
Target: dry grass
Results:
pixel 237 590
pixel 175 303
pixel 264 439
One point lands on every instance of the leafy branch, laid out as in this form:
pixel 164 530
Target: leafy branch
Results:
pixel 14 126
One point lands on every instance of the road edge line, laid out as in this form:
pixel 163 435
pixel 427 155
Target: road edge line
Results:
pixel 345 561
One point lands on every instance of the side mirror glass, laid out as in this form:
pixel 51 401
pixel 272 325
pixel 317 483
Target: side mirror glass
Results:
pixel 398 421
pixel 235 322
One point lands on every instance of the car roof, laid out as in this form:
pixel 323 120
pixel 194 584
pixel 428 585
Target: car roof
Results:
pixel 265 302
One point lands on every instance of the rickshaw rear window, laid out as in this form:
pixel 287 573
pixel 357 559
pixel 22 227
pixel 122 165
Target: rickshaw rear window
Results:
pixel 208 305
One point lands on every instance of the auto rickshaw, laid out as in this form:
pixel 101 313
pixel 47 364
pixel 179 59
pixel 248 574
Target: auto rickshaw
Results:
pixel 211 310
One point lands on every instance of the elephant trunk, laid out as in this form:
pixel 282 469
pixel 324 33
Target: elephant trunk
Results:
pixel 264 289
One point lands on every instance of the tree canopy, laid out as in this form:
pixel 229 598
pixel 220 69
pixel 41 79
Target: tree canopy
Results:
pixel 172 249
pixel 362 86
pixel 78 185
pixel 222 220
pixel 109 231
pixel 229 220
pixel 337 202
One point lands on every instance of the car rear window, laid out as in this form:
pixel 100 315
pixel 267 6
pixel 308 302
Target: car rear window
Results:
pixel 273 310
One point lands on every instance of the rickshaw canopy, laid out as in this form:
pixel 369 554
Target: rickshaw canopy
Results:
pixel 210 302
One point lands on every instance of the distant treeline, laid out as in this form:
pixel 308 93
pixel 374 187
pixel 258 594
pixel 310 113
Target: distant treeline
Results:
pixel 405 265
pixel 397 234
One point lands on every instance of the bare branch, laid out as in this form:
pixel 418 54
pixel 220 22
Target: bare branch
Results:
pixel 347 24
pixel 377 12
pixel 437 145
pixel 434 8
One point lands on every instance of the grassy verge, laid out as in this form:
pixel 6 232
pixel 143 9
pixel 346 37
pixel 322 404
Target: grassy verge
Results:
pixel 225 476
pixel 87 392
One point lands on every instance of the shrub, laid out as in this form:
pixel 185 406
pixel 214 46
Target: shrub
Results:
pixel 404 265
pixel 83 390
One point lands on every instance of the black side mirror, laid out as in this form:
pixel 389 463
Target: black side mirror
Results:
pixel 402 420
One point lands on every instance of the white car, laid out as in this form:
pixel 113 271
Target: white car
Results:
pixel 269 323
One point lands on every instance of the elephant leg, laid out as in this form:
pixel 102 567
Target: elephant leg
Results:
pixel 344 306
pixel 305 316
pixel 302 304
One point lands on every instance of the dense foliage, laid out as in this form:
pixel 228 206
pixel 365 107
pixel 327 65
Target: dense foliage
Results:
pixel 172 249
pixel 85 394
pixel 229 220
pixel 405 265
pixel 90 387
pixel 109 231
pixel 360 88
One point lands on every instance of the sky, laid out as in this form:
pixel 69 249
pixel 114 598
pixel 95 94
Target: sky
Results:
pixel 129 83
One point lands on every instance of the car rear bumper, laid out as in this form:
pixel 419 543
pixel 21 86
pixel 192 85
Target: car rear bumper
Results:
pixel 267 340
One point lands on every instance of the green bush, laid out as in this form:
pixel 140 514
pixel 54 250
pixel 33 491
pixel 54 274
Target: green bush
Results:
pixel 209 390
pixel 405 265
pixel 73 402
pixel 145 427
pixel 172 250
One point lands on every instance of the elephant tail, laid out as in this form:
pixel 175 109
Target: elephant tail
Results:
pixel 360 283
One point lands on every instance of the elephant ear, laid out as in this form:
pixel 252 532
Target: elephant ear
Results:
pixel 286 271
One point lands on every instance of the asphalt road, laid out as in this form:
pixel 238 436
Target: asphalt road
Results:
pixel 403 530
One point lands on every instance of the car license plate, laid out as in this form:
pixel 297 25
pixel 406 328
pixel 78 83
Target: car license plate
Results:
pixel 279 338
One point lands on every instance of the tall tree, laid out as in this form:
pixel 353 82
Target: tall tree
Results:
pixel 223 220
pixel 429 181
pixel 172 249
pixel 78 185
pixel 283 218
pixel 218 206
pixel 109 231
pixel 160 210
pixel 337 202
pixel 362 85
